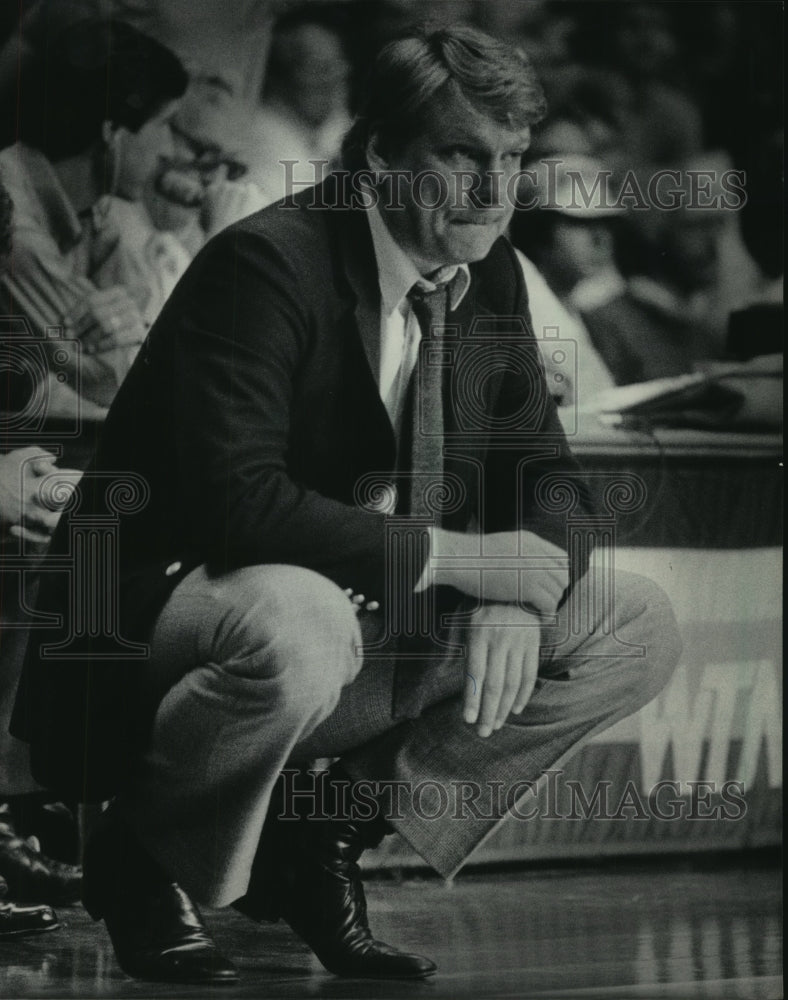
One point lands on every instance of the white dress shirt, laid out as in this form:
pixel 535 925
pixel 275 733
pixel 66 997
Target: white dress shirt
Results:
pixel 394 357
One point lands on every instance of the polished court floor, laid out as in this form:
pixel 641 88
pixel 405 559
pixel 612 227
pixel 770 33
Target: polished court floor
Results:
pixel 620 930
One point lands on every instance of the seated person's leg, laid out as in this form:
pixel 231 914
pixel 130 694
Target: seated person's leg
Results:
pixel 19 921
pixel 31 876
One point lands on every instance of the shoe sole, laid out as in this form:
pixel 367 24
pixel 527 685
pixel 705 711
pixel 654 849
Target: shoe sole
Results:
pixel 29 932
pixel 404 978
pixel 57 902
pixel 185 981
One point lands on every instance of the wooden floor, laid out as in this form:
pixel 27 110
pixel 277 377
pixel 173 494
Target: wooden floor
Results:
pixel 656 929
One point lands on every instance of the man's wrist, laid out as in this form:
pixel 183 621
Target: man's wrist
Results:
pixel 425 580
pixel 445 545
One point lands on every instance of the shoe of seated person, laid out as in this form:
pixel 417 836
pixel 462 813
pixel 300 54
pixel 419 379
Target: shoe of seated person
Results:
pixel 31 876
pixel 156 930
pixel 19 921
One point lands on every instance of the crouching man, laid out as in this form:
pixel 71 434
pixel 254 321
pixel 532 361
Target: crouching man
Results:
pixel 328 480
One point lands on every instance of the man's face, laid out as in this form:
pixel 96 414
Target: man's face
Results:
pixel 140 154
pixel 572 254
pixel 457 150
pixel 693 246
pixel 207 127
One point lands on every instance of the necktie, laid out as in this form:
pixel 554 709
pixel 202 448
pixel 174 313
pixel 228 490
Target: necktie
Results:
pixel 423 420
pixel 422 442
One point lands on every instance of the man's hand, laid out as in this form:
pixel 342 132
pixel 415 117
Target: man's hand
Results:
pixel 106 319
pixel 516 567
pixel 503 659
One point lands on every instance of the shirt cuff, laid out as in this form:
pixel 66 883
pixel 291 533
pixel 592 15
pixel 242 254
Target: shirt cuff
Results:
pixel 425 579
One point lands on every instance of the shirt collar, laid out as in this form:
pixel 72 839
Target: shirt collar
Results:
pixel 397 273
pixel 596 291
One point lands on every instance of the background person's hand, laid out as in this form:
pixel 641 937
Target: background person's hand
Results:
pixel 39 513
pixel 106 319
pixel 503 660
pixel 23 514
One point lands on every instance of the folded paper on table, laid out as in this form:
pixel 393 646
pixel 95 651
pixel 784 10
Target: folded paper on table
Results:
pixel 730 395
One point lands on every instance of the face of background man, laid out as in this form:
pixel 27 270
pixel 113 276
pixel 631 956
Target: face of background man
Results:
pixel 456 142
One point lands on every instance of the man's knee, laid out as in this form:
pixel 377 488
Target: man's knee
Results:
pixel 291 626
pixel 656 629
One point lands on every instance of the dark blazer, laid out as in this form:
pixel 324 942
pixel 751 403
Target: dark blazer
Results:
pixel 250 415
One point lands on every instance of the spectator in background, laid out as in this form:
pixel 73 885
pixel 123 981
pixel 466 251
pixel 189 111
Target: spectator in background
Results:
pixel 94 113
pixel 202 187
pixel 81 100
pixel 23 516
pixel 691 264
pixel 27 520
pixel 304 113
pixel 573 243
pixel 585 119
pixel 127 250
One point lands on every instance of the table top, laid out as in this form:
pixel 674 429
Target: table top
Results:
pixel 589 437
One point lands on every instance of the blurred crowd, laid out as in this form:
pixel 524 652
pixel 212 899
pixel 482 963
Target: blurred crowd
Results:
pixel 635 91
pixel 133 130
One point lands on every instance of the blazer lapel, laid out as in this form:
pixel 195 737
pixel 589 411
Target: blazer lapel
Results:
pixel 467 406
pixel 361 330
pixel 466 431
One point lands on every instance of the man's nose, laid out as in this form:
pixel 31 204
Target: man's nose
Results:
pixel 491 178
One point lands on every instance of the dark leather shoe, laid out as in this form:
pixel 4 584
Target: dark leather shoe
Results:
pixel 156 930
pixel 16 921
pixel 313 882
pixel 31 876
